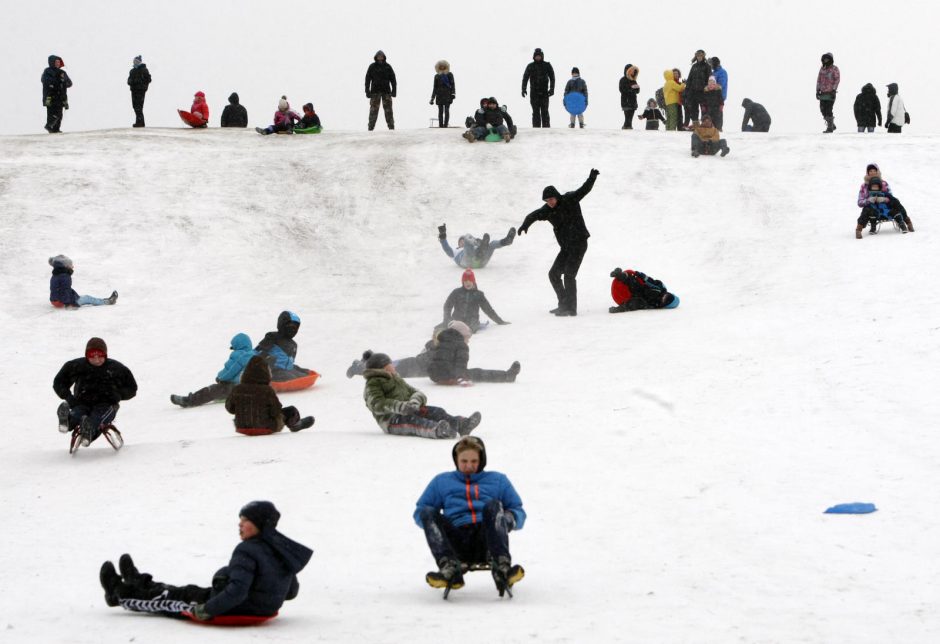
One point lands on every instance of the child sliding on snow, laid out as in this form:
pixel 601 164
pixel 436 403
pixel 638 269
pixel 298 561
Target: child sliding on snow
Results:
pixel 226 380
pixel 256 407
pixel 279 349
pixel 635 291
pixel 471 251
pixel 284 119
pixel 310 118
pixel 61 294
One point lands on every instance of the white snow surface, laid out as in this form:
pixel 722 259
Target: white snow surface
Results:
pixel 675 465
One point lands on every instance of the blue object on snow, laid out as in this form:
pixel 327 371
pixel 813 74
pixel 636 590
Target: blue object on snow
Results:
pixel 575 103
pixel 852 508
pixel 674 303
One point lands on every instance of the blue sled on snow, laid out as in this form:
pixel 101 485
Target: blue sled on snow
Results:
pixel 852 508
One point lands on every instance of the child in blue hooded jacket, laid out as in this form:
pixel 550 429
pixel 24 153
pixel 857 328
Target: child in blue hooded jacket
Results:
pixel 466 515
pixel 228 377
pixel 61 294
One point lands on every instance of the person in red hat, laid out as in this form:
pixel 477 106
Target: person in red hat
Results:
pixel 464 304
pixel 92 389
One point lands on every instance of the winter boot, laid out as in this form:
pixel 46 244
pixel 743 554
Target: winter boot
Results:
pixel 110 581
pixel 725 150
pixel 442 232
pixel 505 574
pixel 858 231
pixel 581 124
pixel 513 371
pixel 830 125
pixel 63 413
pixel 910 225
pixel 88 431
pixel 129 571
pixel 303 423
pixel 356 368
pixel 182 401
pixel 507 137
pixel 510 236
pixel 469 136
pixel 113 298
pixel 571 125
pixel 444 430
pixel 484 244
pixel 449 574
pixel 695 154
pixel 468 424
pixel 903 226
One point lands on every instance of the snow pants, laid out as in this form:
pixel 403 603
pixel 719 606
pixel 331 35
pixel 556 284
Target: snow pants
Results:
pixel 425 423
pixel 137 102
pixel 476 375
pixel 563 275
pixel 416 367
pixel 691 101
pixel 825 107
pixel 672 116
pixel 53 117
pixel 540 117
pixel 386 100
pixel 148 596
pixel 707 147
pixel 100 413
pixel 628 118
pixel 480 542
pixel 217 391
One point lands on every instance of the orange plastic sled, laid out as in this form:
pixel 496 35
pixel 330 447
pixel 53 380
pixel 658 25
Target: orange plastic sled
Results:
pixel 304 382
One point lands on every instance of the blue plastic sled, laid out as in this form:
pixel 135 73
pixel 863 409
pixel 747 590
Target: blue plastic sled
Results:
pixel 674 303
pixel 852 508
pixel 575 103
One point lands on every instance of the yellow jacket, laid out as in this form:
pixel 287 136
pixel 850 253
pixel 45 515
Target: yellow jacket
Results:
pixel 706 133
pixel 671 89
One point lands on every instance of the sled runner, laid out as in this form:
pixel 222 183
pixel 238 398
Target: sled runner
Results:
pixel 303 382
pixel 191 120
pixel 575 103
pixel 503 588
pixel 110 432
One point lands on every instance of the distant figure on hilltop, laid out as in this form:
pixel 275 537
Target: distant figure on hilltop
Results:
pixel 138 80
pixel 473 252
pixel 200 109
pixel 867 109
pixel 55 85
pixel 713 102
pixel 444 91
pixel 672 95
pixel 696 81
pixel 491 117
pixel 827 84
pixel 540 79
pixel 285 119
pixel 721 76
pixel 652 115
pixel 628 92
pixel 756 118
pixel 576 85
pixel 234 114
pixel 896 116
pixel 381 87
pixel 706 139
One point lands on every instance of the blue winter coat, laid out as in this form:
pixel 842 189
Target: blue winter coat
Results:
pixel 721 77
pixel 241 354
pixel 60 287
pixel 462 497
pixel 261 575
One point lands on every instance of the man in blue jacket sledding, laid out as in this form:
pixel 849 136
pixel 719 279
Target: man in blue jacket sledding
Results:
pixel 467 515
pixel 260 576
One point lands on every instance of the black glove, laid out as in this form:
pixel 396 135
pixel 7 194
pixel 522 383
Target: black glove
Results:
pixel 394 93
pixel 199 612
pixel 522 230
pixel 524 93
pixel 551 92
pixel 431 102
pixel 442 231
pixel 65 105
pixel 368 94
pixel 594 173
pixel 817 94
pixel 616 272
pixel 70 399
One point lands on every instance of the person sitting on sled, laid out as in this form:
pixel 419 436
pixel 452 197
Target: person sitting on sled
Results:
pixel 473 252
pixel 879 204
pixel 467 515
pixel 491 116
pixel 227 378
pixel 260 576
pixel 92 389
pixel 61 294
pixel 255 404
pixel 635 291
pixel 285 119
pixel 200 109
pixel 871 172
pixel 280 349
pixel 309 119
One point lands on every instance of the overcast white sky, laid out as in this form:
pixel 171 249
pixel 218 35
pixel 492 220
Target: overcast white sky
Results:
pixel 319 52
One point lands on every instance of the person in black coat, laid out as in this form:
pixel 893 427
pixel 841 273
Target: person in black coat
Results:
pixel 234 114
pixel 55 85
pixel 260 576
pixel 279 348
pixel 540 78
pixel 755 113
pixel 564 213
pixel 628 91
pixel 464 304
pixel 138 80
pixel 381 86
pixel 450 355
pixel 695 84
pixel 867 109
pixel 92 388
pixel 444 91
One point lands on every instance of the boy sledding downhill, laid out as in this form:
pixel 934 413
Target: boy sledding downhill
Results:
pixel 256 407
pixel 473 252
pixel 92 388
pixel 467 515
pixel 280 349
pixel 878 203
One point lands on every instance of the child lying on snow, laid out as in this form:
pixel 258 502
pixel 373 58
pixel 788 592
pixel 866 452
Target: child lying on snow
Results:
pixel 633 291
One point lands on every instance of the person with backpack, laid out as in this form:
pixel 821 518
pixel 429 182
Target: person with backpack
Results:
pixel 577 84
pixel 827 84
pixel 756 117
pixel 55 86
pixel 696 81
pixel 867 108
pixel 539 77
pixel 381 87
pixel 629 89
pixel 234 114
pixel 672 92
pixel 896 116
pixel 635 291
pixel 652 114
pixel 139 81
pixel 444 91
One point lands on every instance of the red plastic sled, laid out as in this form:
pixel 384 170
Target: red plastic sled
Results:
pixel 620 292
pixel 232 620
pixel 191 120
pixel 304 382
pixel 254 431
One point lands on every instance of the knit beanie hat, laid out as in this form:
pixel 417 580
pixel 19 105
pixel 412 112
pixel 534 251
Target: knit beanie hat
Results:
pixel 62 261
pixel 461 328
pixel 282 104
pixel 538 52
pixel 468 276
pixel 262 513
pixel 575 70
pixel 875 181
pixel 96 346
pixel 376 360
pixel 138 59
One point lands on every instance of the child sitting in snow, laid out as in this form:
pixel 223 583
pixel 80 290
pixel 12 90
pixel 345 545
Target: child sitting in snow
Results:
pixel 256 407
pixel 450 355
pixel 226 380
pixel 61 294
pixel 279 349
pixel 310 118
pixel 653 115
pixel 200 109
pixel 635 291
pixel 284 119
pixel 464 304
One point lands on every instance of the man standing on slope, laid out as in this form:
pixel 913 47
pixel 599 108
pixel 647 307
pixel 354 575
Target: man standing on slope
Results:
pixel 542 86
pixel 564 213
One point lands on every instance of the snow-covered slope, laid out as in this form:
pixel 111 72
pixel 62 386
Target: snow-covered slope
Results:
pixel 674 464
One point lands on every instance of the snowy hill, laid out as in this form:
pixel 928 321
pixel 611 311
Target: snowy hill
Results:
pixel 674 464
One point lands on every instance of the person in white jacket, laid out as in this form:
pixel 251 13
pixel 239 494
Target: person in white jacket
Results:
pixel 896 115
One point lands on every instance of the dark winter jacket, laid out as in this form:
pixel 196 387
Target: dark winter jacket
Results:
pixel 629 88
pixel 577 84
pixel 492 117
pixel 380 77
pixel 755 112
pixel 81 383
pixel 867 107
pixel 542 78
pixel 464 304
pixel 253 401
pixel 653 115
pixel 234 114
pixel 139 79
pixel 279 345
pixel 55 84
pixel 309 120
pixel 566 218
pixel 60 287
pixel 449 358
pixel 444 89
pixel 387 394
pixel 261 574
pixel 698 76
pixel 713 101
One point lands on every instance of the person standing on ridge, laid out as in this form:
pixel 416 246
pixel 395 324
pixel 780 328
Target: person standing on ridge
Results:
pixel 381 87
pixel 55 85
pixel 827 84
pixel 138 80
pixel 444 91
pixel 628 91
pixel 540 79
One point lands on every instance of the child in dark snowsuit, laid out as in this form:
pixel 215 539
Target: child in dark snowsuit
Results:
pixel 473 252
pixel 464 304
pixel 635 291
pixel 652 115
pixel 279 349
pixel 450 356
pixel 444 91
pixel 256 407
pixel 310 118
pixel 226 380
pixel 61 294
